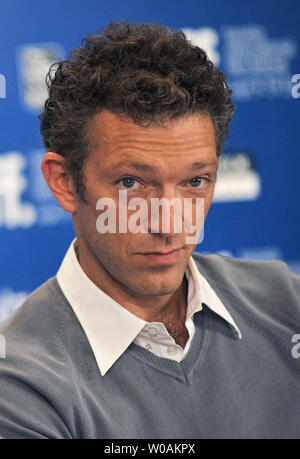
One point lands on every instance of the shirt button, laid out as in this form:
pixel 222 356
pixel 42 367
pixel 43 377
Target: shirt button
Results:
pixel 172 350
pixel 148 347
pixel 152 331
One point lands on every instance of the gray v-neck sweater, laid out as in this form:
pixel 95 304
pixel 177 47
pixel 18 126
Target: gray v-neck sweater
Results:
pixel 51 387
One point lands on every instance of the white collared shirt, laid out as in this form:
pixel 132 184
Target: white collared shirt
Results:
pixel 110 328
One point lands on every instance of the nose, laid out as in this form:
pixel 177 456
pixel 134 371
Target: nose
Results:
pixel 166 213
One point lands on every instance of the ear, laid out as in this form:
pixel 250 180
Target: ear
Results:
pixel 59 181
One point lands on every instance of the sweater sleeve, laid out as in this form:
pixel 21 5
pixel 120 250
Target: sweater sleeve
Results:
pixel 28 408
pixel 296 283
pixel 38 392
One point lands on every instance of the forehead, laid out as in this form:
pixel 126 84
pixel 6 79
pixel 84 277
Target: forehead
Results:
pixel 114 138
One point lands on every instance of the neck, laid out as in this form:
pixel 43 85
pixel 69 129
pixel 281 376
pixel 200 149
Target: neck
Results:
pixel 170 309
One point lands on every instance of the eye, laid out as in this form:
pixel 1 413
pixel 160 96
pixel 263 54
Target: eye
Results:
pixel 128 182
pixel 197 181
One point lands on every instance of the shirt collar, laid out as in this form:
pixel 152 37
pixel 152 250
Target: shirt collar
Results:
pixel 209 296
pixel 109 327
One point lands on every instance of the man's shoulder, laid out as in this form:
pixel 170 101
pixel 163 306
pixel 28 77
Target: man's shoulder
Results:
pixel 231 268
pixel 39 307
pixel 266 291
pixel 37 379
pixel 38 325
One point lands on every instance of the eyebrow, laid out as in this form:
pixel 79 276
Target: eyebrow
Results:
pixel 147 168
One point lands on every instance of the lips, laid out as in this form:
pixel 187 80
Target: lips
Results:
pixel 160 253
pixel 160 258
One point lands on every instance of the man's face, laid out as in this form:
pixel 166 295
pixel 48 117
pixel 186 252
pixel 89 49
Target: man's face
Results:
pixel 146 162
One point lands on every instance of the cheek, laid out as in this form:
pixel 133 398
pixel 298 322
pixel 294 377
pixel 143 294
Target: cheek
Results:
pixel 88 218
pixel 112 245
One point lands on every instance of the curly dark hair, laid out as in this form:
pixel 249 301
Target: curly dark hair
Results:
pixel 148 72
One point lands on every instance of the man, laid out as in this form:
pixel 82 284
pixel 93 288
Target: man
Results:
pixel 136 336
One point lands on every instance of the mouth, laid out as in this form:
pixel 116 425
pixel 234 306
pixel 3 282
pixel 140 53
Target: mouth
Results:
pixel 161 257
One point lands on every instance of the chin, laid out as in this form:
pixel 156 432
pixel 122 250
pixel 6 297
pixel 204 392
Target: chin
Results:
pixel 154 289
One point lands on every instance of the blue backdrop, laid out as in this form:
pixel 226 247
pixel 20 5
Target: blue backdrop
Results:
pixel 255 213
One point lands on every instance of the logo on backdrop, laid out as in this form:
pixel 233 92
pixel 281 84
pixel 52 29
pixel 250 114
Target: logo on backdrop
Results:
pixel 13 212
pixel 257 65
pixel 2 86
pixel 33 62
pixel 237 179
pixel 20 175
pixel 206 38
